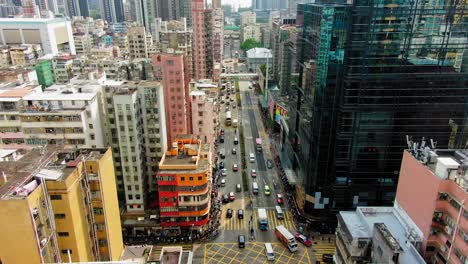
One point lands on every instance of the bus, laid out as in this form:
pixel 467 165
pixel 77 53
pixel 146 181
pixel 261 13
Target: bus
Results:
pixel 228 118
pixel 258 144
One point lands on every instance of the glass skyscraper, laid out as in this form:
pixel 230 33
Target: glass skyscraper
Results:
pixel 373 72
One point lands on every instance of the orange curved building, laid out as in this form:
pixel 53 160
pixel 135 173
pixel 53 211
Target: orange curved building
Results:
pixel 184 183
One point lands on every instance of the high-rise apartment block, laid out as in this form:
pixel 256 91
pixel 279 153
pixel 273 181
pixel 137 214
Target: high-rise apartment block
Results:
pixel 174 37
pixel 137 43
pixel 45 76
pixel 204 117
pixel 112 10
pixel 208 38
pixel 428 222
pixel 59 205
pixel 433 190
pixel 184 184
pixel 59 115
pixel 369 86
pixel 53 34
pixel 135 113
pixel 172 71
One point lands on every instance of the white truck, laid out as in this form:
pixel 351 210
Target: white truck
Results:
pixel 262 219
pixel 234 123
pixel 286 238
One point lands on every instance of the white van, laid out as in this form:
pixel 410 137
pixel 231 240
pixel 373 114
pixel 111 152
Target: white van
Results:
pixel 255 188
pixel 252 157
pixel 270 254
pixel 279 212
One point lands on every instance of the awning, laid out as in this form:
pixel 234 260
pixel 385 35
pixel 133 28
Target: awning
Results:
pixel 291 176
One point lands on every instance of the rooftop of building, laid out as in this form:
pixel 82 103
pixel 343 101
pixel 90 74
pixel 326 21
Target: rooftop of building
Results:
pixel 61 93
pixel 12 92
pixel 27 21
pixel 446 164
pixel 360 224
pixel 259 53
pixel 49 163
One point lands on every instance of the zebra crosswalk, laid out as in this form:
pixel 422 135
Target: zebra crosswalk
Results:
pixel 243 224
pixel 323 248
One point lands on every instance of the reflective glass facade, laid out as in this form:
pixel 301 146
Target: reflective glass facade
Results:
pixel 372 73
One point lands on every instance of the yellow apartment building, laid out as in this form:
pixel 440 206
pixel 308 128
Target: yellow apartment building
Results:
pixel 59 205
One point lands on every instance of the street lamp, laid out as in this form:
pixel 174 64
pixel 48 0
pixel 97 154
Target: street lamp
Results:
pixel 191 234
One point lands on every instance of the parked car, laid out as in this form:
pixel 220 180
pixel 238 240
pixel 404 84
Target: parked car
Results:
pixel 221 165
pixel 223 182
pixel 253 173
pixel 225 198
pixel 229 213
pixel 279 198
pixel 224 172
pixel 235 167
pixel 303 239
pixel 221 132
pixel 269 163
pixel 221 139
pixel 232 196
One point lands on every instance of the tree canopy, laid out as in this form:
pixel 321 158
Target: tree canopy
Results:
pixel 250 43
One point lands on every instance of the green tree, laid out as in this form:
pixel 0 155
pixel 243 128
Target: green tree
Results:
pixel 250 43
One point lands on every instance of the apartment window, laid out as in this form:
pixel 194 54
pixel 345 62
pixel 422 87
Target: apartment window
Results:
pixel 90 126
pixel 129 188
pixel 56 197
pixel 182 178
pixel 63 234
pixel 199 178
pixel 191 178
pixel 170 62
pixel 65 251
pixel 59 216
pixel 137 196
pixel 137 187
pixel 127 107
pixel 130 197
pixel 200 113
pixel 92 136
pixel 98 211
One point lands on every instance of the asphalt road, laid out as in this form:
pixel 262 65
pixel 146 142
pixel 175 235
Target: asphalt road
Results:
pixel 251 132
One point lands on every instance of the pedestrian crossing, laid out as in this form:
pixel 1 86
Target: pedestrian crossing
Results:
pixel 243 224
pixel 323 248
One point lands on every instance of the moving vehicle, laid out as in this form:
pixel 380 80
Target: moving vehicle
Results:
pixel 241 240
pixel 253 173
pixel 255 188
pixel 303 239
pixel 279 212
pixel 236 141
pixel 228 118
pixel 233 151
pixel 240 214
pixel 266 189
pixel 223 182
pixel 235 167
pixel 286 238
pixel 221 139
pixel 225 198
pixel 224 172
pixel 327 258
pixel 221 132
pixel 269 164
pixel 262 219
pixel 229 213
pixel 232 196
pixel 252 157
pixel 258 144
pixel 279 198
pixel 270 254
pixel 238 187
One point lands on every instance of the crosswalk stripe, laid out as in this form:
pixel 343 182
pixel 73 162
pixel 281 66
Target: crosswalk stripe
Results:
pixel 242 224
